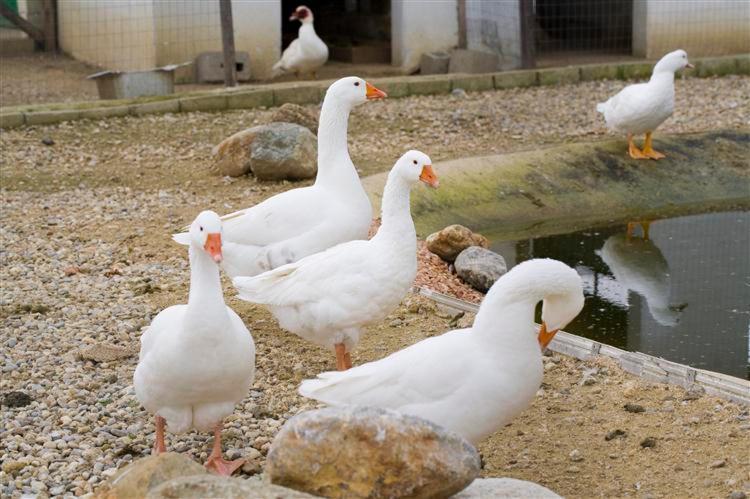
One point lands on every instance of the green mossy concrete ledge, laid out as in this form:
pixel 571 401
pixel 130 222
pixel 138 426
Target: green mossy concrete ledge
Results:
pixel 312 92
pixel 571 187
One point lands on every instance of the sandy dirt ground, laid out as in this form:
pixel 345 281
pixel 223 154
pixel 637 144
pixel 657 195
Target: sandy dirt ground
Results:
pixel 87 260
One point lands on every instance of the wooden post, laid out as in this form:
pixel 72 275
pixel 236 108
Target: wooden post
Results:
pixel 462 38
pixel 22 23
pixel 227 41
pixel 49 8
pixel 528 56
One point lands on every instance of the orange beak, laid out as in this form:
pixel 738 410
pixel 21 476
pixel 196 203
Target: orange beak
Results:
pixel 546 336
pixel 428 176
pixel 373 93
pixel 213 246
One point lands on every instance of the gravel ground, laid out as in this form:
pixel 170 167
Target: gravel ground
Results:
pixel 87 260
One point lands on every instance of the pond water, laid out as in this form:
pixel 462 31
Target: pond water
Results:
pixel 682 294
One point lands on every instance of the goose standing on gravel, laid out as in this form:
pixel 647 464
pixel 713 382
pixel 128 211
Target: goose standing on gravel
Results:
pixel 303 221
pixel 328 297
pixel 197 360
pixel 307 52
pixel 475 380
pixel 642 107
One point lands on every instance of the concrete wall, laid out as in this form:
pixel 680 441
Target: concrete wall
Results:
pixel 142 34
pixel 113 34
pixel 701 27
pixel 495 27
pixel 419 26
pixel 186 28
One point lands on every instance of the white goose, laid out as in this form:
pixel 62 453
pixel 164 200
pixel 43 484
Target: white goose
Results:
pixel 197 360
pixel 303 221
pixel 475 380
pixel 307 52
pixel 328 297
pixel 642 107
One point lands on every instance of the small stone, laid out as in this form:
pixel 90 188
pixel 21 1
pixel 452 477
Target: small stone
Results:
pixel 16 399
pixel 630 389
pixel 737 494
pixel 370 452
pixel 575 455
pixel 452 240
pixel 101 352
pixel 504 488
pixel 648 442
pixel 634 408
pixel 47 141
pixel 71 270
pixel 13 467
pixel 718 464
pixel 136 479
pixel 459 92
pixel 694 392
pixel 615 434
pixel 57 491
pixel 480 267
pixel 294 113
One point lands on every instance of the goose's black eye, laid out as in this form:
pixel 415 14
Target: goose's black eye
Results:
pixel 201 228
pixel 415 161
pixel 356 83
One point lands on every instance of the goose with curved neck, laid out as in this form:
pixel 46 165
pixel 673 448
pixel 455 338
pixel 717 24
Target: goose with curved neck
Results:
pixel 197 360
pixel 307 220
pixel 642 107
pixel 475 380
pixel 328 297
pixel 307 52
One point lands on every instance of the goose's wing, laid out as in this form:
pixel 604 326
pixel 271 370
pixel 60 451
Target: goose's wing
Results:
pixel 165 323
pixel 343 267
pixel 427 372
pixel 631 102
pixel 290 56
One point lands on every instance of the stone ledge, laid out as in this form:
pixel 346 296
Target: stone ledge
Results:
pixel 313 92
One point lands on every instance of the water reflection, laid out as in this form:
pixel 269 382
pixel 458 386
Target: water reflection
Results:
pixel 682 294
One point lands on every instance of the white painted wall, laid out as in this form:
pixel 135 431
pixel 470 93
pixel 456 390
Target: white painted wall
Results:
pixel 419 26
pixel 113 34
pixel 701 27
pixel 142 34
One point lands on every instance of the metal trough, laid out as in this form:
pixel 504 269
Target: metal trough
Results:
pixel 131 84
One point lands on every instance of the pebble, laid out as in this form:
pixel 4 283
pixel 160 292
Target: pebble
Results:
pixel 720 463
pixel 615 434
pixel 16 399
pixel 634 408
pixel 575 455
pixel 648 442
pixel 737 494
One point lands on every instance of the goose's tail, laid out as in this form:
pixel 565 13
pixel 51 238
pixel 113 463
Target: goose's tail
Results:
pixel 602 107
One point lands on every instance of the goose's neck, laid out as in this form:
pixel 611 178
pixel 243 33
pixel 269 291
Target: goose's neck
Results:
pixel 662 76
pixel 335 167
pixel 206 296
pixel 396 210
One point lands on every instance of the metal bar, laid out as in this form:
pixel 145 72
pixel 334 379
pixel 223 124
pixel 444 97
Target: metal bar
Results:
pixel 528 55
pixel 22 23
pixel 462 39
pixel 49 7
pixel 227 41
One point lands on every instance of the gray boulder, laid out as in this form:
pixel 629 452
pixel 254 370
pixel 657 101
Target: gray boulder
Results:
pixel 202 486
pixel 276 151
pixel 138 478
pixel 362 452
pixel 504 488
pixel 479 267
pixel 473 61
pixel 433 63
pixel 452 240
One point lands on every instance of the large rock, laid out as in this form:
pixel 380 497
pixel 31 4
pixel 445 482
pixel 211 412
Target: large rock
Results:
pixel 368 452
pixel 452 240
pixel 473 61
pixel 433 63
pixel 143 475
pixel 294 113
pixel 479 267
pixel 203 486
pixel 504 488
pixel 276 151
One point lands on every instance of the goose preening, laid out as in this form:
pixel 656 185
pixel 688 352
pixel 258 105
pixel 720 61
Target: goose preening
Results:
pixel 474 380
pixel 328 297
pixel 642 107
pixel 197 360
pixel 303 221
pixel 638 265
pixel 307 52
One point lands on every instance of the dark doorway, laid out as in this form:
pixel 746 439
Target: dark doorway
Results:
pixel 584 27
pixel 357 31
